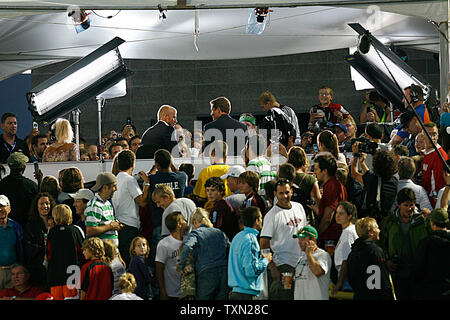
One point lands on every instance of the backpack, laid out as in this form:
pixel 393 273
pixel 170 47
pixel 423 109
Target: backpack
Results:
pixel 277 119
pixel 298 195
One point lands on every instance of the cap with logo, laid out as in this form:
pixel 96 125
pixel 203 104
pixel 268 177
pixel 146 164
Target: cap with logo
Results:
pixel 233 171
pixel 306 231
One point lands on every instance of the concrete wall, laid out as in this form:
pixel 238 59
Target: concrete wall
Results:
pixel 190 85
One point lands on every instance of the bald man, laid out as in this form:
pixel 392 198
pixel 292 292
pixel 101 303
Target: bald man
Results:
pixel 159 136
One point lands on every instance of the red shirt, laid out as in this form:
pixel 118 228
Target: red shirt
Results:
pixel 96 280
pixel 225 218
pixel 31 292
pixel 433 173
pixel 333 192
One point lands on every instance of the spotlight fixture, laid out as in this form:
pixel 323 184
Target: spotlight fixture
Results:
pixel 162 15
pixel 86 78
pixel 384 69
pixel 80 19
pixel 261 13
pixel 256 20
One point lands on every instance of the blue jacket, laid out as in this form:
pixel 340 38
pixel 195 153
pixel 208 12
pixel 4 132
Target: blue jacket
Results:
pixel 208 247
pixel 245 263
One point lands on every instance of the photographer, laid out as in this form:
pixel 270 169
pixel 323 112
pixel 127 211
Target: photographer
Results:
pixel 382 174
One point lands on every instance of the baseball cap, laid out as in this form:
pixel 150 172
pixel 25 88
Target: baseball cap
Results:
pixel 102 179
pixel 82 194
pixel 4 201
pixel 405 118
pixel 439 215
pixel 307 231
pixel 17 160
pixel 340 126
pixel 307 133
pixel 233 171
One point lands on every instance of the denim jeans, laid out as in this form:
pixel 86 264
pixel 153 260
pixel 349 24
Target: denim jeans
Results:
pixel 212 284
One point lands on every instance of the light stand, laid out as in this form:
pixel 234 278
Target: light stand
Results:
pixel 100 104
pixel 76 121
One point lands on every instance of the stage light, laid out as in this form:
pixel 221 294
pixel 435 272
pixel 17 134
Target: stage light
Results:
pixel 387 70
pixel 86 78
pixel 80 19
pixel 256 20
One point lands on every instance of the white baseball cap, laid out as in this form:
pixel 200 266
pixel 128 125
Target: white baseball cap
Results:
pixel 82 194
pixel 4 201
pixel 233 171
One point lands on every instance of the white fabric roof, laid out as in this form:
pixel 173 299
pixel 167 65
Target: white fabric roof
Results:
pixel 33 33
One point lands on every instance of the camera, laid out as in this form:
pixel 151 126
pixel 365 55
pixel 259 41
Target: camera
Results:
pixel 365 145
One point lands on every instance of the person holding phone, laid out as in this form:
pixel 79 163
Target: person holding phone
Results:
pixel 312 273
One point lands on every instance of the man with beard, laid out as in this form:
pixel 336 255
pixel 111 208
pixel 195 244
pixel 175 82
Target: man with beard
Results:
pixel 9 142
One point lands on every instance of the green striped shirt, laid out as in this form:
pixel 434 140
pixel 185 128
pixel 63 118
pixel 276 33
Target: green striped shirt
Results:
pixel 263 168
pixel 100 213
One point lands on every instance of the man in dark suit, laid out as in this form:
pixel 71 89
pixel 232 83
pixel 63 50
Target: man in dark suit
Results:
pixel 160 135
pixel 225 128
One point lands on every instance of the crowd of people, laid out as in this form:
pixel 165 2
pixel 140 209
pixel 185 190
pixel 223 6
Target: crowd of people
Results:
pixel 303 216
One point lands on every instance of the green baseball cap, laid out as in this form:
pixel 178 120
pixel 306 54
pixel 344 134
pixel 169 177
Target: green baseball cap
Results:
pixel 307 231
pixel 17 160
pixel 439 215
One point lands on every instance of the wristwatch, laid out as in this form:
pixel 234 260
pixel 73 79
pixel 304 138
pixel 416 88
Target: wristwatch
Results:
pixel 13 298
pixel 146 184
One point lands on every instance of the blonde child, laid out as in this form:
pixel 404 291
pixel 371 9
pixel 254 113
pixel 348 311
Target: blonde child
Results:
pixel 115 262
pixel 127 285
pixel 96 275
pixel 139 251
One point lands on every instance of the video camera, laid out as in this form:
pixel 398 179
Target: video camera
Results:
pixel 365 145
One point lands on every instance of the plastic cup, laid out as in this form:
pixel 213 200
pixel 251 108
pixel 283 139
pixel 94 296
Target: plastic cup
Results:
pixel 287 280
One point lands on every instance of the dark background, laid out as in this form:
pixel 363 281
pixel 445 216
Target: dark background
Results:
pixel 190 85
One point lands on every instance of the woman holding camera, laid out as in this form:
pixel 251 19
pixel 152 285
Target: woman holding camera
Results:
pixel 63 149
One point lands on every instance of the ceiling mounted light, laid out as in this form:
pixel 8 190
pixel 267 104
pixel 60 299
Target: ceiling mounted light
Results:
pixel 86 78
pixel 256 20
pixel 80 19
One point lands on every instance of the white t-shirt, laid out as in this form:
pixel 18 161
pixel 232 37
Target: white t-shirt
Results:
pixel 167 253
pixel 280 224
pixel 185 206
pixel 126 209
pixel 307 285
pixel 344 245
pixel 125 296
pixel 117 269
pixel 439 198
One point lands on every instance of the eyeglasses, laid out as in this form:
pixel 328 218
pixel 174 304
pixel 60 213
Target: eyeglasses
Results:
pixel 282 182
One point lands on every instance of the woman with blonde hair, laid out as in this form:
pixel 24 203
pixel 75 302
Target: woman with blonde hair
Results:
pixel 127 285
pixel 208 246
pixel 63 149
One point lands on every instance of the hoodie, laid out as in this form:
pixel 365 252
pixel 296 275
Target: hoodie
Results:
pixel 432 266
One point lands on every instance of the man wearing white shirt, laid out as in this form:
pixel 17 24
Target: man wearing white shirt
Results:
pixel 280 223
pixel 406 171
pixel 164 198
pixel 127 199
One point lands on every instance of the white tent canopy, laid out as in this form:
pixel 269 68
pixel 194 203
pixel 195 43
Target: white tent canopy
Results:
pixel 34 33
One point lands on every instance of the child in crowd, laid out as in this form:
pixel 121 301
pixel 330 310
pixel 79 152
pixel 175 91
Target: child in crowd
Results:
pixel 115 262
pixel 96 275
pixel 139 251
pixel 127 285
pixel 189 169
pixel 63 249
pixel 222 214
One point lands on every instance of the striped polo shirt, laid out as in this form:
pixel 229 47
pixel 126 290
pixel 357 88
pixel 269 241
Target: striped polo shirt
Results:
pixel 263 168
pixel 100 213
